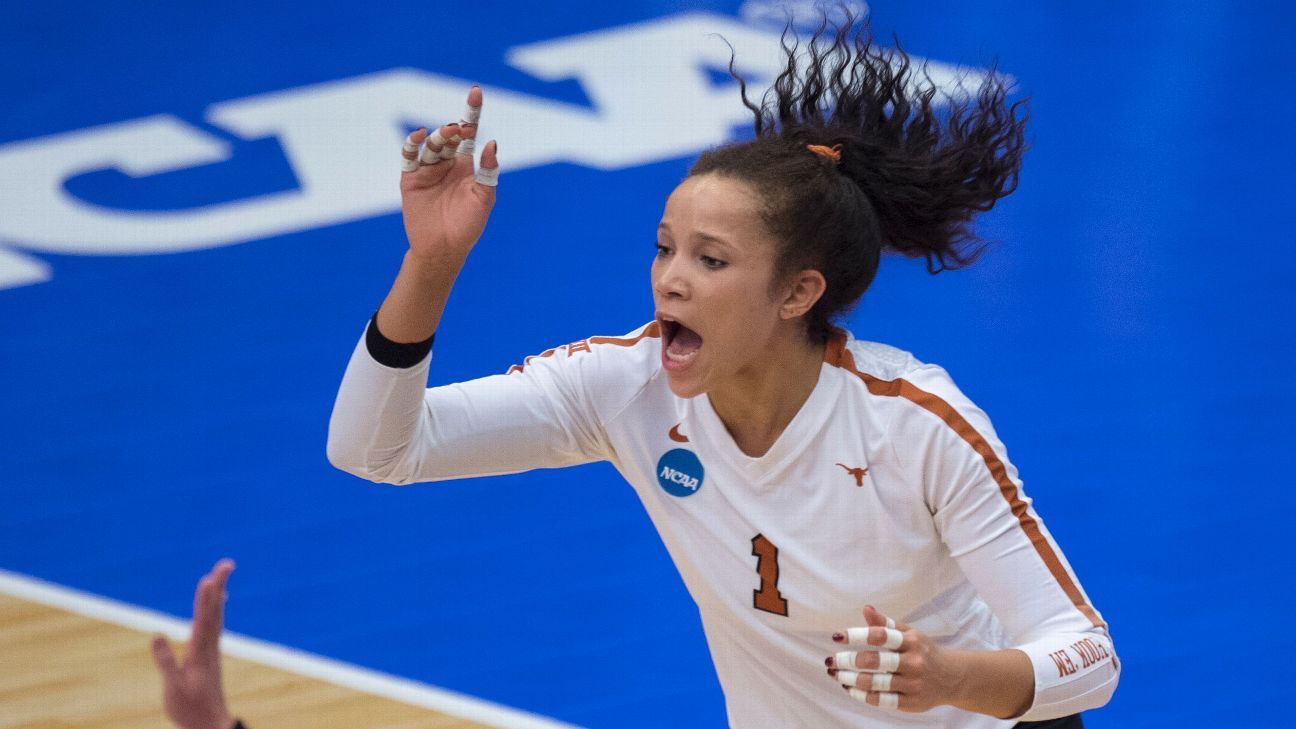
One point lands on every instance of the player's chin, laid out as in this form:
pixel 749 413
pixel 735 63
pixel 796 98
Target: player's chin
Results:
pixel 686 384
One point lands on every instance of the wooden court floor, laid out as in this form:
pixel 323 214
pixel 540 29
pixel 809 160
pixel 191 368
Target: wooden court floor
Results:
pixel 62 670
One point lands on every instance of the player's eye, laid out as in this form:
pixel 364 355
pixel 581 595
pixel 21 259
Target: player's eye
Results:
pixel 662 251
pixel 713 263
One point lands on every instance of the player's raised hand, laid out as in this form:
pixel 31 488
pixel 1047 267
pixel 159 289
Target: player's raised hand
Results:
pixel 191 689
pixel 444 201
pixel 900 668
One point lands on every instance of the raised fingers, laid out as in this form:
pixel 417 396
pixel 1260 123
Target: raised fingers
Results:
pixel 471 117
pixel 422 149
pixel 488 172
pixel 410 150
pixel 443 139
pixel 472 110
pixel 209 608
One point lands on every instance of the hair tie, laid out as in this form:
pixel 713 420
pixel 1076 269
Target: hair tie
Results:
pixel 833 153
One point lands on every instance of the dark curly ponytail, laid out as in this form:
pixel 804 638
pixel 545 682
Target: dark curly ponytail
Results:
pixel 909 179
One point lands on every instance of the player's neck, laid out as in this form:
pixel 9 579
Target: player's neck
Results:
pixel 757 405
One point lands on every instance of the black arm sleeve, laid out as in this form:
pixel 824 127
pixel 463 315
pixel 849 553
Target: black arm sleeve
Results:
pixel 395 354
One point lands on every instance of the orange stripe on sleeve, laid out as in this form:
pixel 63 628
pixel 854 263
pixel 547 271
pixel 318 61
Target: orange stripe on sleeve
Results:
pixel 836 354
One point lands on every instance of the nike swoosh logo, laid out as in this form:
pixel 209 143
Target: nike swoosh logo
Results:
pixel 676 436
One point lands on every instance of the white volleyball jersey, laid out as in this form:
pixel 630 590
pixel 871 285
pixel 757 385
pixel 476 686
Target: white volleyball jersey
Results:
pixel 889 488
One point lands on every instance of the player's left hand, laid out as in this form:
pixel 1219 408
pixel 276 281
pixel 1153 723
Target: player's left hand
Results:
pixel 901 669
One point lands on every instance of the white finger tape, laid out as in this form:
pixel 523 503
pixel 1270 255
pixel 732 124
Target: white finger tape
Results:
pixel 859 695
pixel 881 682
pixel 844 659
pixel 409 154
pixel 847 678
pixel 893 639
pixel 430 155
pixel 471 114
pixel 488 176
pixel 466 146
pixel 436 140
pixel 888 661
pixel 448 152
pixel 890 623
pixel 857 635
pixel 888 701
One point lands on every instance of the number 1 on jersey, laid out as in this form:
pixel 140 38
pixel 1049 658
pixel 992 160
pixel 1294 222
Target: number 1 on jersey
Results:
pixel 768 597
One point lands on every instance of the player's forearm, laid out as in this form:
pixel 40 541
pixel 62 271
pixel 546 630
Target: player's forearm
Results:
pixel 998 683
pixel 412 310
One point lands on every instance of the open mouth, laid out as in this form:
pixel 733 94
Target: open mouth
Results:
pixel 680 344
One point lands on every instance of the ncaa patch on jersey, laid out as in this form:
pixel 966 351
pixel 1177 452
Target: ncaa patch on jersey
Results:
pixel 679 472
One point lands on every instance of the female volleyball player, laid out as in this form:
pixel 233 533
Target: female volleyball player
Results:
pixel 812 488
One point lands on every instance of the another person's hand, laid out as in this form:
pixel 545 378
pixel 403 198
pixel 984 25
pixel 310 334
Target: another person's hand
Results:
pixel 444 204
pixel 191 690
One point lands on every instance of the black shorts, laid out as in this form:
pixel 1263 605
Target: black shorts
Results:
pixel 1066 722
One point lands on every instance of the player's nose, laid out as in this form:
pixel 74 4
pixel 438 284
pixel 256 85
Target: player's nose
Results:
pixel 670 281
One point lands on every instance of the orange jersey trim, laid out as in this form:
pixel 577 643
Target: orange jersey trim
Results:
pixel 652 330
pixel 836 354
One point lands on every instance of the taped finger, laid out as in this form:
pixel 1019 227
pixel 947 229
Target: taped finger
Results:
pixel 881 682
pixel 888 661
pixel 874 698
pixel 488 176
pixel 467 146
pixel 845 678
pixel 892 640
pixel 432 148
pixel 451 146
pixel 410 153
pixel 470 116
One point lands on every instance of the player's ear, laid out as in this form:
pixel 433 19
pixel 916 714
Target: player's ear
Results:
pixel 801 292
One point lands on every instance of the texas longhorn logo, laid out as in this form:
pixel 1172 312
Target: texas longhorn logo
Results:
pixel 858 473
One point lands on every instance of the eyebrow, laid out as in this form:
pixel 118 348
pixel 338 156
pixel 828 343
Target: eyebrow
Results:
pixel 701 237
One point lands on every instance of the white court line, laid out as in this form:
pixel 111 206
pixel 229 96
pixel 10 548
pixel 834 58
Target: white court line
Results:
pixel 277 656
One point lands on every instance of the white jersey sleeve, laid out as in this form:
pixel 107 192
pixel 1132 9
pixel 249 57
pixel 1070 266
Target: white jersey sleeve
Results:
pixel 1001 545
pixel 388 426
